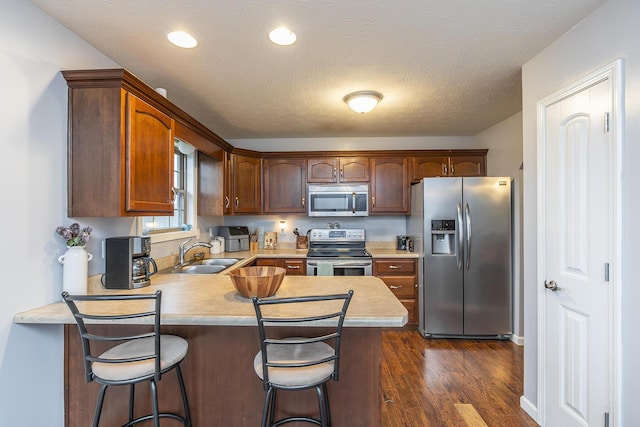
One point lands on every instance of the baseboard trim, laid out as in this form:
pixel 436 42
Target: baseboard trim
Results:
pixel 517 340
pixel 529 408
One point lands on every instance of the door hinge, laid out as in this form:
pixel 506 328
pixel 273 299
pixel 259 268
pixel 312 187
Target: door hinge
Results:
pixel 606 419
pixel 606 271
pixel 606 122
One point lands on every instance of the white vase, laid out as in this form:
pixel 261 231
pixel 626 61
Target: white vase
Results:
pixel 75 263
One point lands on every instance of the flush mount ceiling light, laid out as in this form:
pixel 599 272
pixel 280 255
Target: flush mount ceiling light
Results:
pixel 182 39
pixel 363 101
pixel 282 36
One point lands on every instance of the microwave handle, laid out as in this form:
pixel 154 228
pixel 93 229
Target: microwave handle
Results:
pixel 353 202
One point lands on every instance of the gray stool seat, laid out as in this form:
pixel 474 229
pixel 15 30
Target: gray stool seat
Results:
pixel 296 353
pixel 172 348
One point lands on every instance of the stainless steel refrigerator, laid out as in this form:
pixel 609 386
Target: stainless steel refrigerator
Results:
pixel 462 227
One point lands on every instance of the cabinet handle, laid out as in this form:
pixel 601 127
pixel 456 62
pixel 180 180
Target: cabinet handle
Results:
pixel 237 201
pixel 444 168
pixel 453 171
pixel 294 267
pixel 303 202
pixel 226 202
pixel 373 201
pixel 395 287
pixel 341 174
pixel 395 267
pixel 334 173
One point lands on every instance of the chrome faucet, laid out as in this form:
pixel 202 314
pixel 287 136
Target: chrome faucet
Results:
pixel 184 249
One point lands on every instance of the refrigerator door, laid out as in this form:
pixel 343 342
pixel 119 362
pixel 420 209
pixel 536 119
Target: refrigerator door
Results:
pixel 487 255
pixel 443 267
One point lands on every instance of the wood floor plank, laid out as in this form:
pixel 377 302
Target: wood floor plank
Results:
pixel 470 415
pixel 434 382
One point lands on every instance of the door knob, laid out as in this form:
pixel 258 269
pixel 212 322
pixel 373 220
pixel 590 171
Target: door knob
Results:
pixel 552 285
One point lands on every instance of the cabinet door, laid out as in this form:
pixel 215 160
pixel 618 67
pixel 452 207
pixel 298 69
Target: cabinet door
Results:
pixel 246 184
pixel 354 169
pixel 429 167
pixel 390 185
pixel 149 159
pixel 285 186
pixel 467 165
pixel 322 170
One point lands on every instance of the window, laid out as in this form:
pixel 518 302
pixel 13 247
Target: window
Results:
pixel 182 223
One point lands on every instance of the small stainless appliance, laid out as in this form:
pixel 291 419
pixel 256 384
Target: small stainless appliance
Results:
pixel 338 200
pixel 236 238
pixel 338 252
pixel 404 243
pixel 127 262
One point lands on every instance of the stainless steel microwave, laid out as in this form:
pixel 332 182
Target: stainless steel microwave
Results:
pixel 338 200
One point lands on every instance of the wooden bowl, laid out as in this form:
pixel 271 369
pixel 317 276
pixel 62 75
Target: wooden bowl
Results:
pixel 261 281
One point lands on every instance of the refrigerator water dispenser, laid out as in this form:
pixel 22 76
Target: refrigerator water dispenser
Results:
pixel 443 237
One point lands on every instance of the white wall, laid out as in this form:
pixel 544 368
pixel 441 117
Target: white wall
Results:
pixel 611 32
pixel 33 50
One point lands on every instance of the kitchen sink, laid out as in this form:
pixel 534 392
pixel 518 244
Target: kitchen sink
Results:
pixel 204 266
pixel 200 269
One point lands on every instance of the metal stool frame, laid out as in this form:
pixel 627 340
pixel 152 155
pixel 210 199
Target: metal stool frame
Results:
pixel 265 323
pixel 89 358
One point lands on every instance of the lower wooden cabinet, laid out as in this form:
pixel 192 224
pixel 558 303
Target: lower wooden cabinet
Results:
pixel 401 276
pixel 294 266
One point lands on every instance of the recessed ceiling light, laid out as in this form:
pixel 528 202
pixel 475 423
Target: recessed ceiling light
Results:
pixel 282 36
pixel 363 101
pixel 182 39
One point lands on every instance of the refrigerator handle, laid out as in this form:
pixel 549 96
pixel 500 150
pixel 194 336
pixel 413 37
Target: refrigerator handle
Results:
pixel 467 215
pixel 460 242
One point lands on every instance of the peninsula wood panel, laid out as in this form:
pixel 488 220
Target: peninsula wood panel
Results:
pixel 222 386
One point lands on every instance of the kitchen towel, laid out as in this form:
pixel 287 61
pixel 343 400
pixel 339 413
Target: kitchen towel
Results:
pixel 325 268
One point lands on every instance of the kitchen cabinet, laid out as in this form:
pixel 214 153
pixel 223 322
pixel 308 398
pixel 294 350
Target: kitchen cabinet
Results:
pixel 245 181
pixel 120 150
pixel 211 198
pixel 463 163
pixel 285 186
pixel 120 155
pixel 293 266
pixel 337 169
pixel 401 277
pixel 390 186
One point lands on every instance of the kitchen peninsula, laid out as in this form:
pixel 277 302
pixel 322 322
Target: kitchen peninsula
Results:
pixel 223 340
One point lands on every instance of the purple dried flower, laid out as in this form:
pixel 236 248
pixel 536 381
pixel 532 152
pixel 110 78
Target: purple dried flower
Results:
pixel 74 235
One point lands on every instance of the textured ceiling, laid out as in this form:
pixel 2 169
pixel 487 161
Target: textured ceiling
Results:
pixel 444 67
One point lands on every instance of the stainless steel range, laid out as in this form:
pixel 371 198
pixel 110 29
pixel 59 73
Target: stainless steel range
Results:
pixel 338 252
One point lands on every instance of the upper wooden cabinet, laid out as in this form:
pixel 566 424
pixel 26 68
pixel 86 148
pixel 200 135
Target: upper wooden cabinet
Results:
pixel 211 199
pixel 121 139
pixel 390 185
pixel 246 184
pixel 285 186
pixel 337 169
pixel 461 163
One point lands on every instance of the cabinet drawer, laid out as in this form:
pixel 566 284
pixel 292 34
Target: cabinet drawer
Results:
pixel 401 286
pixel 295 267
pixel 267 261
pixel 402 266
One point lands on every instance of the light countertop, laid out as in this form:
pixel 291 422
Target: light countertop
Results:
pixel 210 299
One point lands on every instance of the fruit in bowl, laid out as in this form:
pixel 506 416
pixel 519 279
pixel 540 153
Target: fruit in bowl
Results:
pixel 261 281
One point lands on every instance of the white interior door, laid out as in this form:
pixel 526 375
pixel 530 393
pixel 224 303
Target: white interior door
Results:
pixel 578 200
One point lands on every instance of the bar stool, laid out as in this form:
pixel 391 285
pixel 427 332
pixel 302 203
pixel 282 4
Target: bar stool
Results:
pixel 138 358
pixel 299 363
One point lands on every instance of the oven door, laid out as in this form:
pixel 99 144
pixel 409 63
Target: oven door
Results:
pixel 342 267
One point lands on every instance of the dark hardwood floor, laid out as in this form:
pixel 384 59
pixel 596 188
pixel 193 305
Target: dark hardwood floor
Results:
pixel 451 382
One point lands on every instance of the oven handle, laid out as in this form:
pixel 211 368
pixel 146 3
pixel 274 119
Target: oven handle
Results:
pixel 343 264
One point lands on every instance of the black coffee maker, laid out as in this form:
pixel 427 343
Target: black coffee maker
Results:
pixel 127 262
